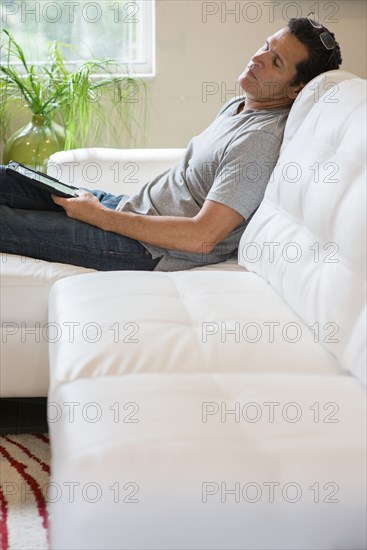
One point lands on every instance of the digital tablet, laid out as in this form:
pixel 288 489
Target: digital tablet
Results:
pixel 42 181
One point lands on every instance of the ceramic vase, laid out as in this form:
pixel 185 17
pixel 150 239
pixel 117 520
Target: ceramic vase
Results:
pixel 33 144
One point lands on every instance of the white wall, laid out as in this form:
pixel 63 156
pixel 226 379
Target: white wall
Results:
pixel 195 55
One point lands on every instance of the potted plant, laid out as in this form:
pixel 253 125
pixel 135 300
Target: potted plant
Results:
pixel 68 108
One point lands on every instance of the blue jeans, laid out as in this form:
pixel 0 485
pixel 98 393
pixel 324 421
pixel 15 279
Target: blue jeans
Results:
pixel 31 224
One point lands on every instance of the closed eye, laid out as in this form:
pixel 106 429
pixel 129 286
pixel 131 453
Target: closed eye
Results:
pixel 276 59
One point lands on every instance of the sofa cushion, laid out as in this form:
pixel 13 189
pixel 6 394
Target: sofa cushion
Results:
pixel 308 238
pixel 25 331
pixel 113 323
pixel 322 89
pixel 25 286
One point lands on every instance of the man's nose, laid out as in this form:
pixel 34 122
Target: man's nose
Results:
pixel 259 58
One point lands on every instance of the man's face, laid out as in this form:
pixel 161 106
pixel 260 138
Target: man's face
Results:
pixel 273 67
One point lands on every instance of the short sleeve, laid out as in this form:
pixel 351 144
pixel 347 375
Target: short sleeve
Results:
pixel 244 171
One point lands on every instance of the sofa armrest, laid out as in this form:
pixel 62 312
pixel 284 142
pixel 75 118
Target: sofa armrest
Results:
pixel 118 171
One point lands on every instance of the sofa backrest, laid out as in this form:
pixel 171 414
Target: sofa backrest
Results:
pixel 324 88
pixel 308 237
pixel 117 171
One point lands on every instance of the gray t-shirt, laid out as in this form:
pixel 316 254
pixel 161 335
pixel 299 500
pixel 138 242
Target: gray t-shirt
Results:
pixel 230 162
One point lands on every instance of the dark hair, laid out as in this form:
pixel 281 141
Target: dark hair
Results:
pixel 320 58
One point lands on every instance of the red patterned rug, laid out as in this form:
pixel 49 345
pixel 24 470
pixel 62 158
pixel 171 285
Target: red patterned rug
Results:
pixel 24 485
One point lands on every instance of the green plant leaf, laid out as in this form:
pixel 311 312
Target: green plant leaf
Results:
pixel 76 99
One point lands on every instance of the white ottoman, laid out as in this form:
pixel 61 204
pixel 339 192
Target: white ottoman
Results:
pixel 198 461
pixel 168 431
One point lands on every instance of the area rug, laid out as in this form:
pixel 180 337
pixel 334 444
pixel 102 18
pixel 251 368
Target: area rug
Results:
pixel 24 485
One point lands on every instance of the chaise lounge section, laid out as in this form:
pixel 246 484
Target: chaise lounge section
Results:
pixel 227 409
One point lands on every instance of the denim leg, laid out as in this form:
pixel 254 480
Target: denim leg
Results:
pixel 107 199
pixel 17 194
pixel 32 225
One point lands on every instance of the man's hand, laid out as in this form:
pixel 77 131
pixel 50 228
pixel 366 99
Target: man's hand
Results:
pixel 85 207
pixel 201 233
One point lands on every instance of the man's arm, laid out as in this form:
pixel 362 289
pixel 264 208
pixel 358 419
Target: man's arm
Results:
pixel 210 226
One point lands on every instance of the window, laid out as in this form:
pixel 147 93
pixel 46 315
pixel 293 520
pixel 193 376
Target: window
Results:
pixel 121 30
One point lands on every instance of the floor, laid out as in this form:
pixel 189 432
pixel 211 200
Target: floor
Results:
pixel 23 415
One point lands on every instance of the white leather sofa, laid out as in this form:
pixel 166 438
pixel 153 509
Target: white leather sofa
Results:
pixel 218 409
pixel 225 408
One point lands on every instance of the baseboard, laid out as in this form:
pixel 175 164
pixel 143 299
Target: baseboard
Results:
pixel 23 415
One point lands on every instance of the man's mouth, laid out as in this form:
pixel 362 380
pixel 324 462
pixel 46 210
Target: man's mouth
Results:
pixel 251 73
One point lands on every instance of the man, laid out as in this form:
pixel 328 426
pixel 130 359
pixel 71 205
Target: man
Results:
pixel 195 213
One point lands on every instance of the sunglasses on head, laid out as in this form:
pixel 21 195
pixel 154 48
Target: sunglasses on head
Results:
pixel 325 37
